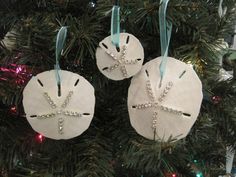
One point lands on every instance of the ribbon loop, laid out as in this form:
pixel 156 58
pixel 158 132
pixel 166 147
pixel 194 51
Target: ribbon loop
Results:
pixel 221 11
pixel 230 152
pixel 61 38
pixel 165 35
pixel 115 25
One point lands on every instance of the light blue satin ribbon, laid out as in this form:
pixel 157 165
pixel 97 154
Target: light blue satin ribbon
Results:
pixel 165 35
pixel 61 38
pixel 221 11
pixel 115 25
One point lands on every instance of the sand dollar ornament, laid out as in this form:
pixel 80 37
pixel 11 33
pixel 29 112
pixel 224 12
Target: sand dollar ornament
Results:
pixel 59 114
pixel 123 62
pixel 164 99
pixel 120 55
pixel 172 109
pixel 59 104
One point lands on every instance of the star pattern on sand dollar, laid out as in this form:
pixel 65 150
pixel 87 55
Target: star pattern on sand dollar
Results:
pixel 155 103
pixel 61 111
pixel 121 61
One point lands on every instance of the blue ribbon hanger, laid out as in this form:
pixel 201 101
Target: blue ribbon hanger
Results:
pixel 221 11
pixel 115 24
pixel 61 38
pixel 165 35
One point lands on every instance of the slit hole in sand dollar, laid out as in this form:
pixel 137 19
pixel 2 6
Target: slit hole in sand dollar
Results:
pixel 86 114
pixel 118 49
pixel 59 90
pixel 133 106
pixel 139 59
pixel 33 116
pixel 182 74
pixel 147 73
pixel 76 83
pixel 127 40
pixel 40 83
pixel 186 114
pixel 104 45
pixel 105 68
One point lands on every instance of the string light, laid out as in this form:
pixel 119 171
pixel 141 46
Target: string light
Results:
pixel 170 174
pixel 199 175
pixel 40 138
pixel 13 109
pixel 19 69
pixel 92 4
pixel 190 63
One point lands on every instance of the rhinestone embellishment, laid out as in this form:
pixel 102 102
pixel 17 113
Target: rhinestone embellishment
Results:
pixel 149 91
pixel 154 121
pixel 49 100
pixel 60 125
pixel 67 99
pixel 165 92
pixel 61 112
pixel 155 104
pixel 44 116
pixel 121 62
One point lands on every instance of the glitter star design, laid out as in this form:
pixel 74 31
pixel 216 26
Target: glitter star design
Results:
pixel 156 103
pixel 121 62
pixel 61 111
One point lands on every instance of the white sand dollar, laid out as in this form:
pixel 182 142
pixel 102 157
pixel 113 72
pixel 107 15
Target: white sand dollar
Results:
pixel 122 63
pixel 172 109
pixel 59 113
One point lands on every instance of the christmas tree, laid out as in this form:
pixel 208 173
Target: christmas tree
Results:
pixel 111 147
